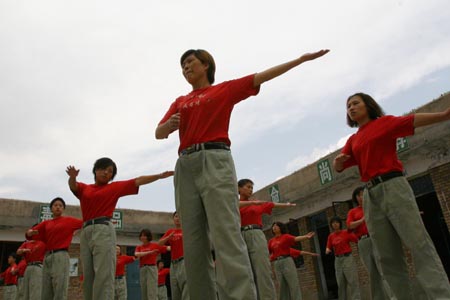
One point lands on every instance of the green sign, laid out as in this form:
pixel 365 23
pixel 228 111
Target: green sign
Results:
pixel 325 174
pixel 274 192
pixel 45 213
pixel 402 144
pixel 117 219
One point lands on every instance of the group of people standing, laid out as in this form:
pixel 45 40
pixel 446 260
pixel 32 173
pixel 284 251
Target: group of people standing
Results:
pixel 207 201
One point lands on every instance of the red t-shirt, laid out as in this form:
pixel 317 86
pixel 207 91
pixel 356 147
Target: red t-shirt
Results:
pixel 339 242
pixel 21 266
pixel 205 113
pixel 374 146
pixel 356 214
pixel 37 251
pixel 123 260
pixel 8 277
pixel 150 259
pixel 280 245
pixel 175 242
pixel 162 274
pixel 57 233
pixel 100 200
pixel 252 215
pixel 294 253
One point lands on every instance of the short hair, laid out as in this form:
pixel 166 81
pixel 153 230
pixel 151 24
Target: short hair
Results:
pixel 282 226
pixel 205 58
pixel 373 109
pixel 356 193
pixel 103 163
pixel 159 261
pixel 243 182
pixel 13 255
pixel 336 219
pixel 58 199
pixel 147 233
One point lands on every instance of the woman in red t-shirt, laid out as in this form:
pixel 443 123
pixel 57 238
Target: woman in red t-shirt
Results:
pixel 285 270
pixel 390 208
pixel 205 176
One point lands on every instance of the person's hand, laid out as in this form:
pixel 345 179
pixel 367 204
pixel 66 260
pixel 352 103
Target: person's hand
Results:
pixel 166 174
pixel 314 55
pixel 339 161
pixel 315 254
pixel 290 204
pixel 310 234
pixel 31 232
pixel 174 121
pixel 72 172
pixel 327 251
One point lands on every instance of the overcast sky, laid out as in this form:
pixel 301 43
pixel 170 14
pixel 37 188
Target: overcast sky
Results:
pixel 80 80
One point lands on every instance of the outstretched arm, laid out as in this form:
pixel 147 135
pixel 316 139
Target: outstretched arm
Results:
pixel 309 253
pixel 73 173
pixel 304 237
pixel 283 68
pixel 144 253
pixel 146 179
pixel 424 119
pixel 287 204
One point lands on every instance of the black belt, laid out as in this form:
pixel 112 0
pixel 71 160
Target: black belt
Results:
pixel 204 146
pixel 364 236
pixel 10 284
pixel 119 277
pixel 282 257
pixel 174 261
pixel 101 220
pixel 35 263
pixel 148 265
pixel 250 227
pixel 160 285
pixel 343 255
pixel 56 250
pixel 382 178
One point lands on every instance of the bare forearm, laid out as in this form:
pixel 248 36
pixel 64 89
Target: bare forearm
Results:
pixel 163 131
pixel 146 179
pixel 355 224
pixel 276 71
pixel 73 184
pixel 424 119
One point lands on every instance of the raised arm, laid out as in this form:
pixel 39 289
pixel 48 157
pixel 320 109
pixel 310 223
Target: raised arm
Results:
pixel 283 205
pixel 163 130
pixel 276 71
pixel 73 173
pixel 424 119
pixel 304 237
pixel 146 179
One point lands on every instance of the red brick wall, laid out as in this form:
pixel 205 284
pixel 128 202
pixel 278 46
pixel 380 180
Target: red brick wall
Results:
pixel 441 181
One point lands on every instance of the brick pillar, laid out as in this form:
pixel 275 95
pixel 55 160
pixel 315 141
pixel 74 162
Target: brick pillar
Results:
pixel 441 181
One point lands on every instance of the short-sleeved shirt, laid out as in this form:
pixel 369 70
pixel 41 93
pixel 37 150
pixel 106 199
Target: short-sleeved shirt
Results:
pixel 280 245
pixel 150 259
pixel 37 252
pixel 356 214
pixel 339 242
pixel 100 200
pixel 205 113
pixel 121 261
pixel 374 146
pixel 252 214
pixel 175 242
pixel 57 233
pixel 162 274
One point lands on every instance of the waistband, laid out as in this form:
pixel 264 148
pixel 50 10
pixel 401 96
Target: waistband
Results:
pixel 56 250
pixel 344 255
pixel 281 257
pixel 161 285
pixel 251 227
pixel 10 284
pixel 148 265
pixel 119 277
pixel 382 178
pixel 204 146
pixel 35 263
pixel 174 261
pixel 100 220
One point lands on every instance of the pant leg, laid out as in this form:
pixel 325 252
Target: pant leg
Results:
pixel 259 258
pixel 218 185
pixel 379 288
pixel 152 289
pixel 104 261
pixel 197 248
pixel 33 282
pixel 178 285
pixel 46 283
pixel 291 278
pixel 351 275
pixel 10 292
pixel 386 240
pixel 162 292
pixel 120 289
pixel 144 273
pixel 340 278
pixel 87 262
